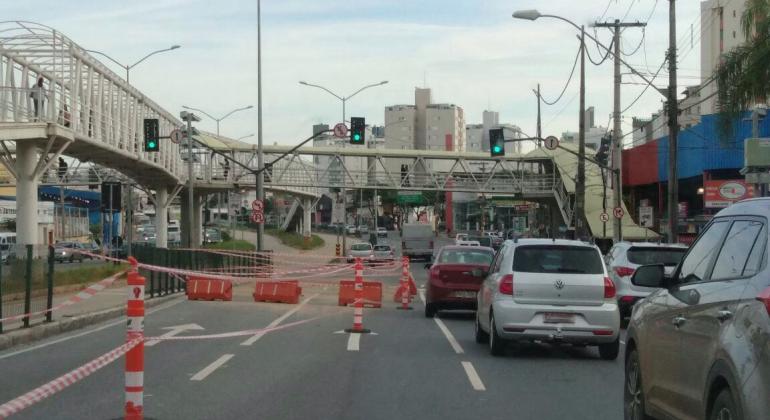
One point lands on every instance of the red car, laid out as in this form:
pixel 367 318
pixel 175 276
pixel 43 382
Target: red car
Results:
pixel 455 277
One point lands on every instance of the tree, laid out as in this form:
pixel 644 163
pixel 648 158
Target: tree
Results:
pixel 743 76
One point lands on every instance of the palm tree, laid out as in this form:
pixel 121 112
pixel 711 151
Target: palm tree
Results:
pixel 743 76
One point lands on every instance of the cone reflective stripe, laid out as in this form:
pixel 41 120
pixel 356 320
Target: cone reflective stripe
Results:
pixel 405 284
pixel 135 357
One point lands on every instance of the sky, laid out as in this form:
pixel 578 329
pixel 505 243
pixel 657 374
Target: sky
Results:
pixel 469 52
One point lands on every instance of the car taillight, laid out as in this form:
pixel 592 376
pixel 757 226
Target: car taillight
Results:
pixel 764 297
pixel 609 288
pixel 624 271
pixel 434 273
pixel 506 285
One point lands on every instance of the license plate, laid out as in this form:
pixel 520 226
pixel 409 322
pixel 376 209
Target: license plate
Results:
pixel 467 295
pixel 559 318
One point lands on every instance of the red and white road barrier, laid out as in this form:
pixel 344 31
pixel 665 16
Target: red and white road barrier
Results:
pixel 135 356
pixel 84 294
pixel 404 284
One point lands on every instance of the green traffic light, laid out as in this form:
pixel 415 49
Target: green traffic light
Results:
pixel 357 137
pixel 497 149
pixel 152 145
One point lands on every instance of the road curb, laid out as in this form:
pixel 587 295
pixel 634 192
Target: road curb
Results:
pixel 45 330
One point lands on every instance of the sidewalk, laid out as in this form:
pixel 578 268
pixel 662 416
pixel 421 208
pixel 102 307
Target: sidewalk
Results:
pixel 274 244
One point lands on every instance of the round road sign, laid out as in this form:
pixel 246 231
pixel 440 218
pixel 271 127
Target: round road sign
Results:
pixel 618 212
pixel 340 130
pixel 257 217
pixel 257 205
pixel 176 136
pixel 551 142
pixel 604 217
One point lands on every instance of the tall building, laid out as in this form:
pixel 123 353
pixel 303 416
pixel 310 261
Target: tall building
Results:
pixel 400 126
pixel 445 127
pixel 721 31
pixel 425 125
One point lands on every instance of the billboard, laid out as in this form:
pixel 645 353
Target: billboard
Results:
pixel 720 194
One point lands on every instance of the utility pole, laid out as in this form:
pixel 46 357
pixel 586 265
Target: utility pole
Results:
pixel 617 135
pixel 260 152
pixel 673 128
pixel 539 126
pixel 580 183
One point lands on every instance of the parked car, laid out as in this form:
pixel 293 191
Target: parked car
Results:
pixel 699 346
pixel 350 229
pixel 363 229
pixel 460 237
pixel 360 250
pixel 382 232
pixel 66 251
pixel 551 290
pixel 417 240
pixel 212 236
pixel 495 239
pixel 482 240
pixel 452 281
pixel 468 243
pixel 174 232
pixel 383 253
pixel 149 234
pixel 625 257
pixel 7 246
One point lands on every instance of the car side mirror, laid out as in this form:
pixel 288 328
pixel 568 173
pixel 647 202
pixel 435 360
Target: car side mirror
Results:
pixel 649 276
pixel 428 266
pixel 477 272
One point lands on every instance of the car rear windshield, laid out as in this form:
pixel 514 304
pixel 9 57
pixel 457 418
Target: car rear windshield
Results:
pixel 557 259
pixel 656 255
pixel 382 247
pixel 466 256
pixel 361 247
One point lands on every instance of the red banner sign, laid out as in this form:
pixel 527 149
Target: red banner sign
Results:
pixel 720 194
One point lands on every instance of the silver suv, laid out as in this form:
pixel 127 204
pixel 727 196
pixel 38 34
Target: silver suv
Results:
pixel 699 346
pixel 625 257
pixel 548 290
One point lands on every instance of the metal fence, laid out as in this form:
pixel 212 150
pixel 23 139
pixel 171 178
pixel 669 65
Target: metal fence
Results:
pixel 26 285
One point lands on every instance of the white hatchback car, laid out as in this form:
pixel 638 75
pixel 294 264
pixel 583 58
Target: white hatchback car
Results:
pixel 625 257
pixel 550 290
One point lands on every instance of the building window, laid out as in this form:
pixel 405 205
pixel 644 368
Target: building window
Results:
pixel 733 34
pixel 733 12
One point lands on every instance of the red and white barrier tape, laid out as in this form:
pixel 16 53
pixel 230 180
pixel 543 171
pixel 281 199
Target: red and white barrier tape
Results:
pixel 84 294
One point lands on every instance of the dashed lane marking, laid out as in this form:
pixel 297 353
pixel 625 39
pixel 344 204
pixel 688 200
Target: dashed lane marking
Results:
pixel 449 336
pixel 354 342
pixel 473 376
pixel 211 368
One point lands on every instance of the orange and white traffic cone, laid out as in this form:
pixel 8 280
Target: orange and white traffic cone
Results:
pixel 135 356
pixel 358 295
pixel 404 284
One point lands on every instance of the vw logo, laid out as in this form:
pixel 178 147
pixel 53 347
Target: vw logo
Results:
pixel 558 284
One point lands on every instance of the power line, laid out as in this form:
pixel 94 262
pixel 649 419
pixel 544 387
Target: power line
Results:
pixel 645 88
pixel 566 85
pixel 635 49
pixel 600 62
pixel 561 110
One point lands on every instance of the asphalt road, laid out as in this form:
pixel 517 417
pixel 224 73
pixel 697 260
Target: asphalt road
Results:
pixel 409 369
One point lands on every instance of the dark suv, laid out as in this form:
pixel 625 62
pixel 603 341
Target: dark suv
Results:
pixel 699 346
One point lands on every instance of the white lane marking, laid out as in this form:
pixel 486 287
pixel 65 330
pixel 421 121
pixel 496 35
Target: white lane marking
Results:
pixel 120 321
pixel 422 295
pixel 473 376
pixel 354 342
pixel 448 334
pixel 253 339
pixel 622 342
pixel 211 368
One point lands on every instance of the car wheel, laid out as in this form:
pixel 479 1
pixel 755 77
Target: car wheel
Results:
pixel 609 351
pixel 633 393
pixel 481 335
pixel 724 407
pixel 430 309
pixel 496 343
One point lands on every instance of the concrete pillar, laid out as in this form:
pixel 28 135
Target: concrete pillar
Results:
pixel 184 220
pixel 307 207
pixel 26 196
pixel 161 217
pixel 197 232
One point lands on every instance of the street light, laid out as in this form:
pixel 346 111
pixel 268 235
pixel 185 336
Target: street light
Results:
pixel 218 120
pixel 580 218
pixel 344 99
pixel 246 136
pixel 129 67
pixel 190 118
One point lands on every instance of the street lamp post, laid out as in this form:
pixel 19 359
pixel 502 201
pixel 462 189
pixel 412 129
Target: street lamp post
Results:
pixel 218 120
pixel 129 67
pixel 344 100
pixel 189 118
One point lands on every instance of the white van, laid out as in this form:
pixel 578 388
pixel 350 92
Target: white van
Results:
pixel 174 232
pixel 7 245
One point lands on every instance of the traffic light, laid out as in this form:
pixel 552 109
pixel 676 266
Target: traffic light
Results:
pixel 357 128
pixel 151 135
pixel 603 153
pixel 496 142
